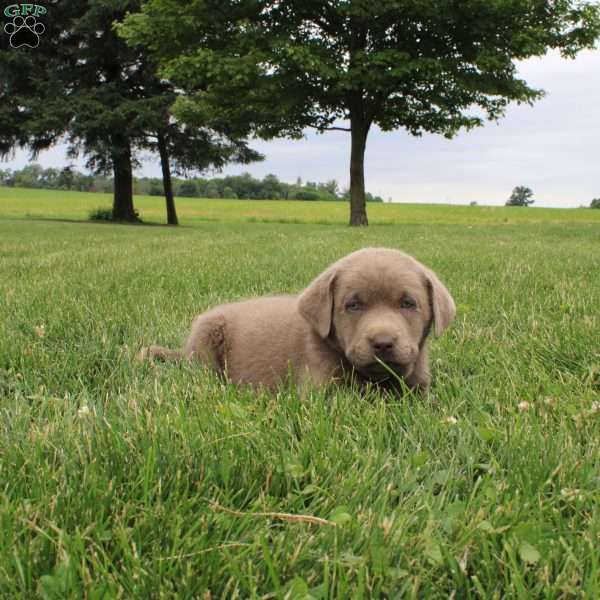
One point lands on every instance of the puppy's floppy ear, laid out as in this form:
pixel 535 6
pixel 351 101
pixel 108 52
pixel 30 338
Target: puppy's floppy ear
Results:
pixel 316 302
pixel 442 304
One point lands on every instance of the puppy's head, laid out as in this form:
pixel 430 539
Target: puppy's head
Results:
pixel 378 305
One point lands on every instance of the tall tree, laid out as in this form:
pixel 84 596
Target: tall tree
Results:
pixel 280 67
pixel 183 149
pixel 85 83
pixel 193 150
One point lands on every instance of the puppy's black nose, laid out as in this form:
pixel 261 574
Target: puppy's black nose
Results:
pixel 382 343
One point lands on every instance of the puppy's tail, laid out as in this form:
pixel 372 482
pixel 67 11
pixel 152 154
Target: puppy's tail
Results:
pixel 152 353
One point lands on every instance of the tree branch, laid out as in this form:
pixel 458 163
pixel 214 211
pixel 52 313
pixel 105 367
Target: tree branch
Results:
pixel 330 128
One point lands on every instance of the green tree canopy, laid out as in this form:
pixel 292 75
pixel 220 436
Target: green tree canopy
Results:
pixel 520 196
pixel 85 83
pixel 276 68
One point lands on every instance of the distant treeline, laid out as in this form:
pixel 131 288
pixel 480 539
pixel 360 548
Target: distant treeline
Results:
pixel 233 186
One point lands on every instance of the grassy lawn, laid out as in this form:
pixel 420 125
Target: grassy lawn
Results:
pixel 127 481
pixel 19 203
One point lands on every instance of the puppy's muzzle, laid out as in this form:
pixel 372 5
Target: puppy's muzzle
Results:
pixel 386 348
pixel 382 345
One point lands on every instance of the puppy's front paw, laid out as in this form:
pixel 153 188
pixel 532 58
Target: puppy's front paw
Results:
pixel 419 381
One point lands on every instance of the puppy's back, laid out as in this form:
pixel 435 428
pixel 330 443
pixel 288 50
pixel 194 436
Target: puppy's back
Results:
pixel 259 340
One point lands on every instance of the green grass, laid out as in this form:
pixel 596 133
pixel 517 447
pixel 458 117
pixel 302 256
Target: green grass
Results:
pixel 114 477
pixel 20 203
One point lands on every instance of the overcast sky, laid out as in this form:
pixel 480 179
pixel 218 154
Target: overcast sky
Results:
pixel 552 147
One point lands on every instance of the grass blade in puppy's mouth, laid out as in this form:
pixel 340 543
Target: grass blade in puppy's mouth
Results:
pixel 390 371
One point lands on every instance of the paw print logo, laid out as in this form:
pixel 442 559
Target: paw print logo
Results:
pixel 24 31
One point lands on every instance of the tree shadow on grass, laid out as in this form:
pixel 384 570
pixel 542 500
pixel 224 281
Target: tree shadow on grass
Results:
pixel 96 222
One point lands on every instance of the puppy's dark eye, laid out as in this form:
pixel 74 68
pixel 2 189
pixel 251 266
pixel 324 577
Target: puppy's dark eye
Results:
pixel 408 302
pixel 353 305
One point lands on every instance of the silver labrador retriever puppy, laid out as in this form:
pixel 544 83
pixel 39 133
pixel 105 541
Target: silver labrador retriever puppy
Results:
pixel 366 317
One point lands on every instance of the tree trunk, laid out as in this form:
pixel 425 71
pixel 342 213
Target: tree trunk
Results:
pixel 123 189
pixel 358 207
pixel 167 183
